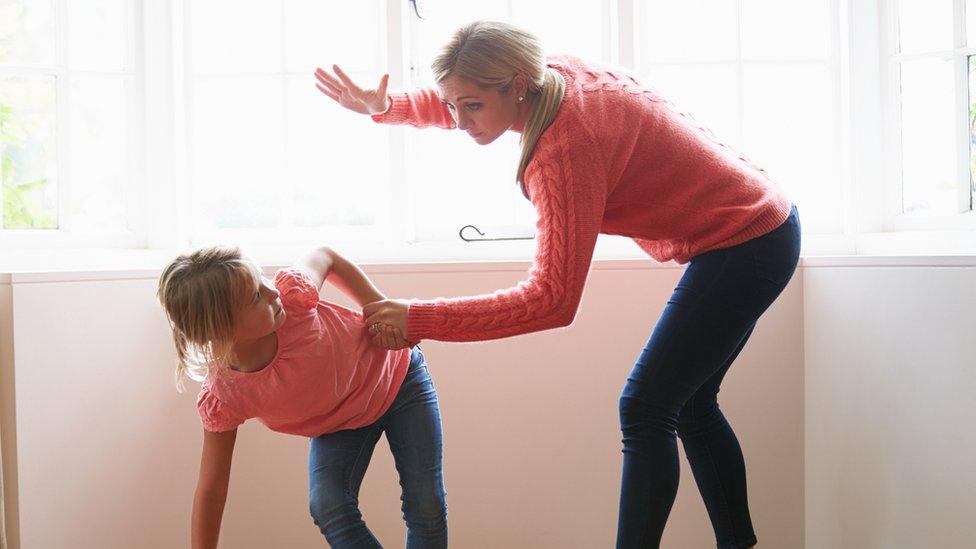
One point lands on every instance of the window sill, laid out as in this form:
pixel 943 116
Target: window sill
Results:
pixel 943 249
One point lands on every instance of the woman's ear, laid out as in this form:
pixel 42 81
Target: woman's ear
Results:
pixel 520 85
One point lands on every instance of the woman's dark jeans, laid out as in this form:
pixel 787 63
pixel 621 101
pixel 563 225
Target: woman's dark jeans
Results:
pixel 675 381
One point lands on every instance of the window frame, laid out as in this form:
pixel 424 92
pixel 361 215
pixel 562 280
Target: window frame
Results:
pixel 895 220
pixel 132 76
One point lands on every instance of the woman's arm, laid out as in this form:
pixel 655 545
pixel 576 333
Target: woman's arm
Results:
pixel 421 108
pixel 568 188
pixel 211 494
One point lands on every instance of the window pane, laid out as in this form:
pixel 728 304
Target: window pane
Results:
pixel 574 28
pixel 773 29
pixel 236 152
pixel 441 19
pixel 350 34
pixel 790 130
pixel 96 153
pixel 971 22
pixel 235 36
pixel 458 183
pixel 924 25
pixel 710 93
pixel 96 34
pixel 695 30
pixel 928 148
pixel 28 153
pixel 335 161
pixel 27 32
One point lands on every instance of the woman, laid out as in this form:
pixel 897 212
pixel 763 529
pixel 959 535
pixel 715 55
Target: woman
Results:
pixel 602 153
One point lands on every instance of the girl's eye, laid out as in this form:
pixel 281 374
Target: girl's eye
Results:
pixel 473 106
pixel 449 106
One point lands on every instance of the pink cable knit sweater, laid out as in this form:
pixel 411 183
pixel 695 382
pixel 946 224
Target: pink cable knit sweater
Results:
pixel 618 159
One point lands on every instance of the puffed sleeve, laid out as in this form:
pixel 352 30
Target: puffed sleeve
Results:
pixel 215 415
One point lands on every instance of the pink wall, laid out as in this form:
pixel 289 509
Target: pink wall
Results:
pixel 107 452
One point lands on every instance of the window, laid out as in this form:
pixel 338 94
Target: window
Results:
pixel 190 122
pixel 68 102
pixel 929 51
pixel 269 158
pixel 763 76
pixel 455 183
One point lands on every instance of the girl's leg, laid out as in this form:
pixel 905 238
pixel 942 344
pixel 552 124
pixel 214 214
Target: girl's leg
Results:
pixel 413 429
pixel 336 465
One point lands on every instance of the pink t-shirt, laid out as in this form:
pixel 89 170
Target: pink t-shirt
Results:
pixel 325 376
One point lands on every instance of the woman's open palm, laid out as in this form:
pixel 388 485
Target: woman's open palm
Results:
pixel 341 89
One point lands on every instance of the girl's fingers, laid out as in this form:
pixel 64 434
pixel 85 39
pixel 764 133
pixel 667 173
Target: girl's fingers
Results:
pixel 381 90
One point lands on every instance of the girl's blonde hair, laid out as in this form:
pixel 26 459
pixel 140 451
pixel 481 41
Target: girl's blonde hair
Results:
pixel 201 293
pixel 491 54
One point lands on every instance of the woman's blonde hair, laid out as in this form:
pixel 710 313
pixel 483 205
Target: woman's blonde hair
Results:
pixel 201 293
pixel 491 54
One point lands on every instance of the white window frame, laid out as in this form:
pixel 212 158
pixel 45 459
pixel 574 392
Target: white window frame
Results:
pixel 869 137
pixel 62 237
pixel 895 220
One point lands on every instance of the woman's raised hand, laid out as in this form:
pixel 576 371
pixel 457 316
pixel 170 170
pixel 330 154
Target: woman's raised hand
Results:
pixel 341 89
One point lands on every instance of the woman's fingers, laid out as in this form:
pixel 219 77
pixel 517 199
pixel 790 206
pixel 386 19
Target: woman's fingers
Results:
pixel 336 89
pixel 326 91
pixel 328 80
pixel 381 90
pixel 353 88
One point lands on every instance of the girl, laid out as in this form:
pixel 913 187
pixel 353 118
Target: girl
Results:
pixel 276 352
pixel 603 153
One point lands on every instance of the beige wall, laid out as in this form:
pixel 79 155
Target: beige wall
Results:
pixel 8 484
pixel 107 452
pixel 890 417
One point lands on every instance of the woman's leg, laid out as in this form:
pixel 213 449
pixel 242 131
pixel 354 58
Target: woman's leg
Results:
pixel 702 329
pixel 337 463
pixel 413 429
pixel 716 461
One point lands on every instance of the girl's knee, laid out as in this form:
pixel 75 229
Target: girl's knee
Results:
pixel 332 508
pixel 426 510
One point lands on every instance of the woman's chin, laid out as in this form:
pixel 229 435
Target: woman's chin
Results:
pixel 483 138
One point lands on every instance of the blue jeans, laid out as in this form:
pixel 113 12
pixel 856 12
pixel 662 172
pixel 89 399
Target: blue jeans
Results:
pixel 673 386
pixel 338 461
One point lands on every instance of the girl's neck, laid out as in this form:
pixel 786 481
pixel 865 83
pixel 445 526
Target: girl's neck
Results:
pixel 254 354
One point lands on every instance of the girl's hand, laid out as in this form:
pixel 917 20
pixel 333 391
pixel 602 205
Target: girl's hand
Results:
pixel 345 92
pixel 392 313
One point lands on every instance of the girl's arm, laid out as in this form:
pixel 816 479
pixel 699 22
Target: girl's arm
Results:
pixel 325 264
pixel 211 494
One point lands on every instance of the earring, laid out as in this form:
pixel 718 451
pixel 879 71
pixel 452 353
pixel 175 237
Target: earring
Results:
pixel 520 99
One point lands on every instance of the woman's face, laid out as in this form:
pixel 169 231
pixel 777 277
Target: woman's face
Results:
pixel 485 113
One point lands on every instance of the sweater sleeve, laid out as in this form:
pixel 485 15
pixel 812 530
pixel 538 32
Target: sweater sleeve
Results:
pixel 567 186
pixel 421 108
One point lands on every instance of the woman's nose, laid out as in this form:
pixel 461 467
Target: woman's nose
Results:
pixel 462 121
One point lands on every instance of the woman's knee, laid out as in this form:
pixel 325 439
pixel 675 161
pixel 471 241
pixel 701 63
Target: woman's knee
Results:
pixel 698 416
pixel 639 414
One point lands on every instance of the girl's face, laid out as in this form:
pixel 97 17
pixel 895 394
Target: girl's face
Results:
pixel 485 113
pixel 260 312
